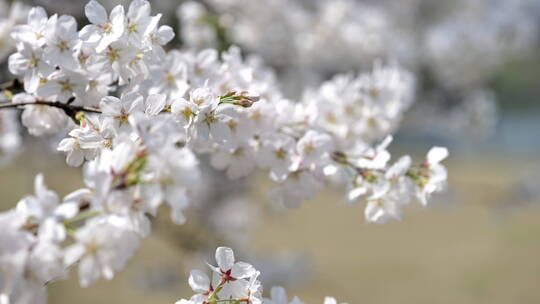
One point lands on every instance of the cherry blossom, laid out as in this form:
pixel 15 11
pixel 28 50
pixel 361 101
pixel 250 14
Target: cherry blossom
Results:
pixel 224 288
pixel 141 121
pixel 104 29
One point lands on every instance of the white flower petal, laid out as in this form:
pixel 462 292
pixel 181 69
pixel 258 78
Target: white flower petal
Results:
pixel 199 281
pixel 95 13
pixel 242 270
pixel 436 155
pixel 225 258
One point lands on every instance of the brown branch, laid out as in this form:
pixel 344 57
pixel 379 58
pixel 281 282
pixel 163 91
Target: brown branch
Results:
pixel 69 109
pixel 54 104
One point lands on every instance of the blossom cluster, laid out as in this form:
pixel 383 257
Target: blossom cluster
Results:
pixel 34 237
pixel 10 16
pixel 138 117
pixel 234 282
pixel 359 31
pixel 459 47
pixel 353 30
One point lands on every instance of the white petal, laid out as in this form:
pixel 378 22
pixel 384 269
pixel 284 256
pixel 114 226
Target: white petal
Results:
pixel 220 159
pixel 399 168
pixel 373 212
pixel 37 16
pixel 117 20
pixel 67 210
pixel 330 300
pixel 178 201
pixel 95 12
pixel 155 104
pixel 225 258
pixel 138 9
pixel 278 295
pixel 165 34
pixel 199 281
pixel 296 300
pixel 75 158
pixel 31 81
pixel 242 270
pixel 355 193
pixel 73 253
pixel 90 33
pixel 110 106
pixel 436 155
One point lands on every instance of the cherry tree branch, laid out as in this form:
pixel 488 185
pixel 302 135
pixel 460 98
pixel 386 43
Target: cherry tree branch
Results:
pixel 69 109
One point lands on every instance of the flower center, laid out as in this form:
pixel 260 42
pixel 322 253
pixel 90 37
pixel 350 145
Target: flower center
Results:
pixel 280 153
pixel 256 115
pixel 186 112
pixel 62 46
pixel 113 54
pixel 331 117
pixel 92 84
pixel 132 27
pixel 238 152
pixel 309 147
pixel 66 85
pixel 210 118
pixel 123 118
pixel 33 62
pixel 232 125
pixel 83 58
pixel 91 247
pixel 169 78
pixel 106 28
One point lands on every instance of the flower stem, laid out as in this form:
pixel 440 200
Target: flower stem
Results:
pixel 81 216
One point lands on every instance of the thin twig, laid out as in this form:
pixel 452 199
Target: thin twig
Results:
pixel 70 110
pixel 56 104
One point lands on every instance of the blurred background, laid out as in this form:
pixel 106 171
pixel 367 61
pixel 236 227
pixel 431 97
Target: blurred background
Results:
pixel 477 64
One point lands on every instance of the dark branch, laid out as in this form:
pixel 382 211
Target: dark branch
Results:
pixel 69 109
pixel 55 104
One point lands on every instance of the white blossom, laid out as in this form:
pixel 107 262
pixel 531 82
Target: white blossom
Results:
pixel 34 31
pixel 103 246
pixel 104 29
pixel 138 118
pixel 61 39
pixel 29 63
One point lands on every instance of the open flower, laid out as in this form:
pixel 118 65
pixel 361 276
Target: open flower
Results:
pixel 33 31
pixel 228 268
pixel 119 109
pixel 102 247
pixel 139 23
pixel 62 85
pixel 382 207
pixel 29 63
pixel 104 29
pixel 435 176
pixel 61 39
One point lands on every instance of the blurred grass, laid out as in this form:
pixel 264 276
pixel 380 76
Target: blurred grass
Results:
pixel 464 252
pixel 460 252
